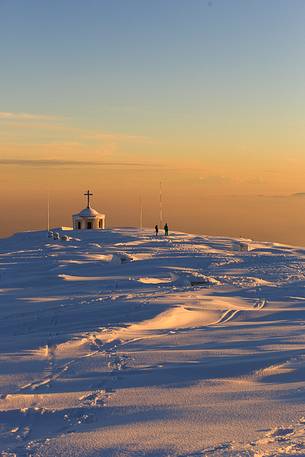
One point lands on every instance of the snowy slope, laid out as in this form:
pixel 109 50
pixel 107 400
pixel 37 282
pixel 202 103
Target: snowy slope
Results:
pixel 116 343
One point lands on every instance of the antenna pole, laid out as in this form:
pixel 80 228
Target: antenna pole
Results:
pixel 141 214
pixel 48 212
pixel 160 207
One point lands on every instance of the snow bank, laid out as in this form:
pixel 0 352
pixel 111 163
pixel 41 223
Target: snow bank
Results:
pixel 192 278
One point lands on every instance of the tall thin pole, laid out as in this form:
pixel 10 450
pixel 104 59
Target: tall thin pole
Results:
pixel 48 212
pixel 160 207
pixel 141 214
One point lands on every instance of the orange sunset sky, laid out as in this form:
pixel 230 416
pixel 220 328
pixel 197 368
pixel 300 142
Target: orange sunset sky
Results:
pixel 205 96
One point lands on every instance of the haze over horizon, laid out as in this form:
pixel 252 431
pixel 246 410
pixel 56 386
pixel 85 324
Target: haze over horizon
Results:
pixel 205 96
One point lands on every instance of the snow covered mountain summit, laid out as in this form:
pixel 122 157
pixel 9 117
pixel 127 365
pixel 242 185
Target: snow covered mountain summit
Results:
pixel 118 343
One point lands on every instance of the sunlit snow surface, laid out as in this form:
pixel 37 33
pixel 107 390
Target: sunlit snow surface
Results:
pixel 116 343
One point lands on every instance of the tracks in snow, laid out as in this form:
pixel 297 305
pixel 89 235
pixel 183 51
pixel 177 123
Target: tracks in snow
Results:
pixel 227 316
pixel 230 314
pixel 20 439
pixel 281 441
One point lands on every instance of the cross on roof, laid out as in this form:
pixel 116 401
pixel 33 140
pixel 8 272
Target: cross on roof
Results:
pixel 88 195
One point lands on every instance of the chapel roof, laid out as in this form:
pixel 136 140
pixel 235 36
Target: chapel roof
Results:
pixel 88 212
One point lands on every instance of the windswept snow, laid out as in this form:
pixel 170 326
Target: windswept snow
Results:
pixel 118 343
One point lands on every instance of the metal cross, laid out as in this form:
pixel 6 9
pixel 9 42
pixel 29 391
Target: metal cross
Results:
pixel 88 195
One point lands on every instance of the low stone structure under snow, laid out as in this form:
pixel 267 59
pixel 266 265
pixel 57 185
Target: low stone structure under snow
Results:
pixel 88 218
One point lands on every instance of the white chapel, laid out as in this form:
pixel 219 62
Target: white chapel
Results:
pixel 88 218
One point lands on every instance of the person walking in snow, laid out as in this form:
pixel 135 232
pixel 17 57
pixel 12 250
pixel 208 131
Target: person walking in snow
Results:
pixel 157 230
pixel 166 229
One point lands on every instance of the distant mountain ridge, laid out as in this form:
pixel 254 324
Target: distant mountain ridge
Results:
pixel 298 194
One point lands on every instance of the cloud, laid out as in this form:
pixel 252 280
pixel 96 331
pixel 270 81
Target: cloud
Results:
pixel 255 181
pixel 70 163
pixel 298 195
pixel 9 116
pixel 295 195
pixel 105 136
pixel 27 122
pixel 17 124
pixel 215 179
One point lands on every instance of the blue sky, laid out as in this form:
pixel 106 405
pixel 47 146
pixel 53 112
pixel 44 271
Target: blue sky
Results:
pixel 96 61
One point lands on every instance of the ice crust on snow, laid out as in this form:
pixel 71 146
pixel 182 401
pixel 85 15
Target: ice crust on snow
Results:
pixel 118 343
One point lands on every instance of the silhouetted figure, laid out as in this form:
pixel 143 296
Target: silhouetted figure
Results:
pixel 166 229
pixel 157 230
